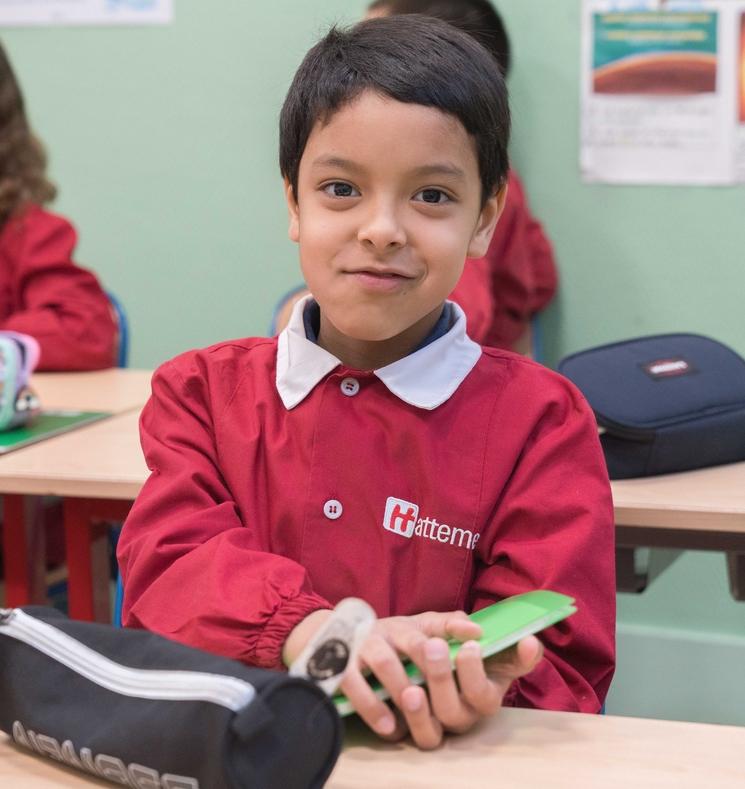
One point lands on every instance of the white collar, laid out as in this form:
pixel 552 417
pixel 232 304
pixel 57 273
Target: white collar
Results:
pixel 425 379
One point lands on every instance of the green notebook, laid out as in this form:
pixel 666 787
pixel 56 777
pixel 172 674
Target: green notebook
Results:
pixel 503 625
pixel 48 424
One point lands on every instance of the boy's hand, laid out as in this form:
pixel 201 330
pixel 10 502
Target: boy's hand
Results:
pixel 455 700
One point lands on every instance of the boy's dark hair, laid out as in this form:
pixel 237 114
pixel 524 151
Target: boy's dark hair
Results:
pixel 22 159
pixel 414 60
pixel 478 18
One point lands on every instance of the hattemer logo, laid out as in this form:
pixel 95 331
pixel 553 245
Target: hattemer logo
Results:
pixel 402 517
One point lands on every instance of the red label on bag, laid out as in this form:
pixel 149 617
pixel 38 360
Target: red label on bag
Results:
pixel 668 368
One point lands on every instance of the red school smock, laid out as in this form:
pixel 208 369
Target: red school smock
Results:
pixel 45 294
pixel 516 279
pixel 282 482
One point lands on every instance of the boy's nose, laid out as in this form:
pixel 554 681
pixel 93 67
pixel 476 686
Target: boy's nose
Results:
pixel 382 230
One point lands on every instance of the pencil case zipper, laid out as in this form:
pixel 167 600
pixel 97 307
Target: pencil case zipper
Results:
pixel 155 684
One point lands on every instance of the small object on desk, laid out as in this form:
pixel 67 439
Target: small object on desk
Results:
pixel 665 403
pixel 19 355
pixel 47 425
pixel 335 644
pixel 503 625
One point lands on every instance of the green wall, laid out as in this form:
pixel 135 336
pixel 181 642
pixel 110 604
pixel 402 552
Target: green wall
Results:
pixel 163 141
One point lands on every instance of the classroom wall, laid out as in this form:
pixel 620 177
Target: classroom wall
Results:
pixel 163 141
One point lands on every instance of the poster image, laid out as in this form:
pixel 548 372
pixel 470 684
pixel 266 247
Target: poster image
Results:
pixel 663 92
pixel 666 53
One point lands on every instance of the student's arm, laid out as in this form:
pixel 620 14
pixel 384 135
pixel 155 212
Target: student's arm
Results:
pixel 193 570
pixel 522 270
pixel 553 529
pixel 52 299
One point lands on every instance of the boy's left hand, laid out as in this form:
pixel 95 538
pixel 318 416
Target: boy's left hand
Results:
pixel 454 700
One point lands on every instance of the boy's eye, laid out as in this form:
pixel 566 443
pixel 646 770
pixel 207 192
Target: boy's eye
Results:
pixel 433 196
pixel 340 189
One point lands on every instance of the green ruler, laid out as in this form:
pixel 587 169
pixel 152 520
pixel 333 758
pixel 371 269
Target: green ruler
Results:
pixel 503 625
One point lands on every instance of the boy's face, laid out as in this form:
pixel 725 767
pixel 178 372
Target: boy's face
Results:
pixel 387 211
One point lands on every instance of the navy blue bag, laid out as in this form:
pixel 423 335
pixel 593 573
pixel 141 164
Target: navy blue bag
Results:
pixel 665 403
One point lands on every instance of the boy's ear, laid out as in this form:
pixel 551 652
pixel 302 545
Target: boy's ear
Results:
pixel 488 219
pixel 292 207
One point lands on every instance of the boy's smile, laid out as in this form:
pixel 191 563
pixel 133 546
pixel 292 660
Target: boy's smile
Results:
pixel 389 206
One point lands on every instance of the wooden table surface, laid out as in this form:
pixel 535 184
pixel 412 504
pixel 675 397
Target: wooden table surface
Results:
pixel 102 460
pixel 116 390
pixel 709 499
pixel 521 749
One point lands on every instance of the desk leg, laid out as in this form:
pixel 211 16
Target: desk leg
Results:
pixel 87 552
pixel 736 573
pixel 87 549
pixel 24 551
pixel 627 578
pixel 630 579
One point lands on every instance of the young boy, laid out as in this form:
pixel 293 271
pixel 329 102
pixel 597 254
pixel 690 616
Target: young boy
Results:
pixel 516 279
pixel 373 449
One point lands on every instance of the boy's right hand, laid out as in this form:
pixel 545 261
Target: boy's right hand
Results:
pixel 454 700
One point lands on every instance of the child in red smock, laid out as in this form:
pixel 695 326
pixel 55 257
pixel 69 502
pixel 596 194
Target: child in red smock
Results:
pixel 373 449
pixel 505 289
pixel 42 291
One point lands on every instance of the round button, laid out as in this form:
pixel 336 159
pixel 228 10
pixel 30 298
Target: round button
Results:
pixel 332 509
pixel 350 386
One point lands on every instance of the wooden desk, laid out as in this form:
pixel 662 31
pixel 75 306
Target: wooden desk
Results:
pixel 100 461
pixel 86 463
pixel 98 470
pixel 701 510
pixel 116 390
pixel 521 749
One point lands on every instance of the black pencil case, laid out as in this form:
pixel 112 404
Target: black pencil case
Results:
pixel 140 710
pixel 664 403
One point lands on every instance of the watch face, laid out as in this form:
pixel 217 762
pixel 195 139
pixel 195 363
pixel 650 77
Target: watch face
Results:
pixel 328 660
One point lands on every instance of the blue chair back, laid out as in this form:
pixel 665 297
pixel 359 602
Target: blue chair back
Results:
pixel 118 601
pixel 123 326
pixel 536 338
pixel 280 304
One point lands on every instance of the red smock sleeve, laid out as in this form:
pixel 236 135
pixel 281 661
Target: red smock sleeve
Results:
pixel 48 296
pixel 193 570
pixel 553 528
pixel 501 292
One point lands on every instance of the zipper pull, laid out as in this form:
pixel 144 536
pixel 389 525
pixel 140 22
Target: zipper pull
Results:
pixel 6 614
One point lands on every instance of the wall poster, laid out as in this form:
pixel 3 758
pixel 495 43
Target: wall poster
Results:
pixel 663 92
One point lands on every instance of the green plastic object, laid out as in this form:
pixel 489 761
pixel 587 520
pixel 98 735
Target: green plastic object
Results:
pixel 503 624
pixel 47 425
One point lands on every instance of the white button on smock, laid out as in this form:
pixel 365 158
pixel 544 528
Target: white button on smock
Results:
pixel 332 509
pixel 350 387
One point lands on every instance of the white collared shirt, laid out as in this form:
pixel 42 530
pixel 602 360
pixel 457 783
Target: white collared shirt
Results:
pixel 425 378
